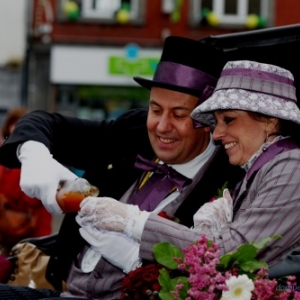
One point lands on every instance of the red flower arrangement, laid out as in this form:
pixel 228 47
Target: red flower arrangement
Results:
pixel 204 274
pixel 142 283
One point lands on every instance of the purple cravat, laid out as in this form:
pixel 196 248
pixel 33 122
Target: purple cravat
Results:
pixel 158 186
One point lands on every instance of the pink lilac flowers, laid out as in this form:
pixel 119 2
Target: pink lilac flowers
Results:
pixel 200 262
pixel 204 275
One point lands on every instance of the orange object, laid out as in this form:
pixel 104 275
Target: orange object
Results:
pixel 70 193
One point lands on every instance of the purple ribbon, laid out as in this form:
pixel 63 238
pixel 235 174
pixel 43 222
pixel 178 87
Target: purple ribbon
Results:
pixel 257 74
pixel 258 81
pixel 274 149
pixel 186 77
pixel 183 76
pixel 176 178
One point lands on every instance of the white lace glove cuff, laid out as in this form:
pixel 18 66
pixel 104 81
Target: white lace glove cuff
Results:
pixel 137 229
pixel 133 213
pixel 106 213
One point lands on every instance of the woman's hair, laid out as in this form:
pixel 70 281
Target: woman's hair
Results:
pixel 284 128
pixel 12 118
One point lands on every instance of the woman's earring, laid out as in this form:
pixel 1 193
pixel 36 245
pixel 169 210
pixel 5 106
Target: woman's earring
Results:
pixel 266 143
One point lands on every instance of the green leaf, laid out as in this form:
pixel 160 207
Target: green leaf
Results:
pixel 183 292
pixel 244 253
pixel 253 265
pixel 244 256
pixel 209 243
pixel 168 285
pixel 262 243
pixel 164 254
pixel 164 280
pixel 225 260
pixel 220 191
pixel 165 296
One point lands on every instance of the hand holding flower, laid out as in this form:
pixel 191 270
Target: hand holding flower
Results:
pixel 214 217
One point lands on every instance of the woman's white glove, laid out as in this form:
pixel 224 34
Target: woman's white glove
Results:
pixel 106 213
pixel 41 174
pixel 214 217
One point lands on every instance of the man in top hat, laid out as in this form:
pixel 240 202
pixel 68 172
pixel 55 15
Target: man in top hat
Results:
pixel 193 170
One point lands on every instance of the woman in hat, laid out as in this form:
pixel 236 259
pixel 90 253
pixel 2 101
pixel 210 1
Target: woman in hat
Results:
pixel 257 122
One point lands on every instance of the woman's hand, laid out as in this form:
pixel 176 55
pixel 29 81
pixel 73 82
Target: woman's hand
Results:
pixel 214 217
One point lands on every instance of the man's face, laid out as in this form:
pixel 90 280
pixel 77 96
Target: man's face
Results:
pixel 170 127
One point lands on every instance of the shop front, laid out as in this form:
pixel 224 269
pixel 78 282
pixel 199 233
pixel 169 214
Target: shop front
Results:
pixel 96 83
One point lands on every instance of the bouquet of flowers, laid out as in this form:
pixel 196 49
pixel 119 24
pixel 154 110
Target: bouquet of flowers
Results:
pixel 199 272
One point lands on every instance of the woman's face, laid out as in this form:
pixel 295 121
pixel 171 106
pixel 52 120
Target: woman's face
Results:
pixel 240 134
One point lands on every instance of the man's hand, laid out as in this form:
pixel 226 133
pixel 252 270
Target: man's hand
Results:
pixel 41 174
pixel 117 248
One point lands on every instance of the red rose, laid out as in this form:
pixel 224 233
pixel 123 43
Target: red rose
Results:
pixel 163 214
pixel 141 283
pixel 155 287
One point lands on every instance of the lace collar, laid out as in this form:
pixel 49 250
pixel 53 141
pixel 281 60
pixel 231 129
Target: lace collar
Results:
pixel 253 158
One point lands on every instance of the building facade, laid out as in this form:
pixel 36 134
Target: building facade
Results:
pixel 82 54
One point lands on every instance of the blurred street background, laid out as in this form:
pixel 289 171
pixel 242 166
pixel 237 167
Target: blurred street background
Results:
pixel 78 57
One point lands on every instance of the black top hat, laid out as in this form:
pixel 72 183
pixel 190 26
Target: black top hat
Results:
pixel 186 66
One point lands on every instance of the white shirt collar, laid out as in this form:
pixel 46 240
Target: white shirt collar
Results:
pixel 191 168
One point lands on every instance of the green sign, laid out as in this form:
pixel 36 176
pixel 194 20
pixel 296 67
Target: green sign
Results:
pixel 144 66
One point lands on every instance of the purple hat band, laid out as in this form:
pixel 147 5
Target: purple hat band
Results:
pixel 260 81
pixel 182 76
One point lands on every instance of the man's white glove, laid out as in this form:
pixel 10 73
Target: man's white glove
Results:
pixel 213 218
pixel 120 250
pixel 106 213
pixel 41 174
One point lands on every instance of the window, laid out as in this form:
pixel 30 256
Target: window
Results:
pixel 100 9
pixel 230 12
pixel 103 11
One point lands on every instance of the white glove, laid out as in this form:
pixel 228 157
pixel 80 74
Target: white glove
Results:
pixel 106 213
pixel 41 174
pixel 213 218
pixel 115 247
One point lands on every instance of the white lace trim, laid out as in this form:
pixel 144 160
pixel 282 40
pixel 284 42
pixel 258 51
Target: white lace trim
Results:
pixel 253 158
